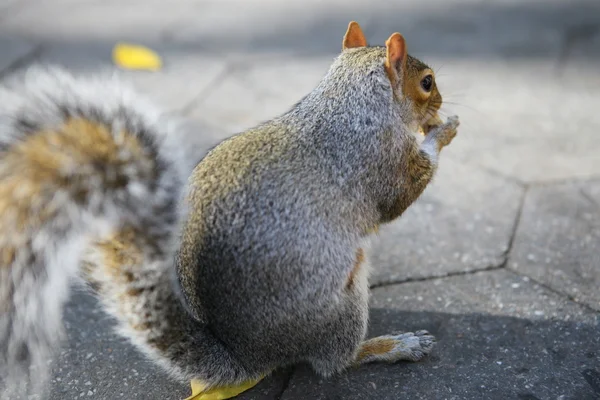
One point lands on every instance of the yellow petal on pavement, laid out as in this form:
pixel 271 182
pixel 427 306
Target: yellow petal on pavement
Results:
pixel 223 393
pixel 132 56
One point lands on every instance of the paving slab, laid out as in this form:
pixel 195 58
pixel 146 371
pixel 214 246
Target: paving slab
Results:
pixel 96 363
pixel 499 337
pixel 90 20
pixel 183 77
pixel 13 49
pixel 593 192
pixel 581 47
pixel 79 59
pixel 451 227
pixel 557 240
pixel 250 94
pixel 523 118
pixel 467 28
pixel 7 7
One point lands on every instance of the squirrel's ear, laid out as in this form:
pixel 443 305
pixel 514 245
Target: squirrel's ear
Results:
pixel 396 55
pixel 354 37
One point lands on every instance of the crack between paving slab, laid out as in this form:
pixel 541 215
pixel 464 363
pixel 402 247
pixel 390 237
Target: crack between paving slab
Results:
pixel 528 184
pixel 498 174
pixel 22 61
pixel 565 181
pixel 515 227
pixel 502 265
pixel 491 171
pixel 436 277
pixel 199 98
pixel 589 198
pixel 501 175
pixel 12 8
pixel 543 285
pixel 571 37
pixel 556 292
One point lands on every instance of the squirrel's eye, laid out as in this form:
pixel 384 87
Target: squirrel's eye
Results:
pixel 427 83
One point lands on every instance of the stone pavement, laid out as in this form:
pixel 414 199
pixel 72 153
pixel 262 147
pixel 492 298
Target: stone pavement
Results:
pixel 500 258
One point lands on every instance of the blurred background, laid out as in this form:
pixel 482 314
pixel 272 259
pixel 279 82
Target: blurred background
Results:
pixel 500 258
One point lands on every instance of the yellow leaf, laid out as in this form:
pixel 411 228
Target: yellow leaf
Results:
pixel 136 57
pixel 199 392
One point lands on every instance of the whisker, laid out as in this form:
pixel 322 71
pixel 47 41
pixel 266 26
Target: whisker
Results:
pixel 429 113
pixel 453 95
pixel 475 123
pixel 463 105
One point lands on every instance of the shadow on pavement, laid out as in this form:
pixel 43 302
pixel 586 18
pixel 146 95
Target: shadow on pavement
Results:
pixel 477 357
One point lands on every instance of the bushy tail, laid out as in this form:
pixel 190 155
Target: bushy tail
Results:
pixel 80 158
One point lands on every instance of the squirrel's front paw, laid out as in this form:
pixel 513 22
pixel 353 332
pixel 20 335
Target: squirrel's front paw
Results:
pixel 444 133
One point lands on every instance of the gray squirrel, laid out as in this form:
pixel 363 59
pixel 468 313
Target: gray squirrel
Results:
pixel 222 270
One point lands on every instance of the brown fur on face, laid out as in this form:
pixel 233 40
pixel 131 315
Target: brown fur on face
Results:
pixel 425 104
pixel 417 80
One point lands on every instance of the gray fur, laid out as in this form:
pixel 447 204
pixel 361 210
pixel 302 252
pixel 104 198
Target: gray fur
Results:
pixel 279 212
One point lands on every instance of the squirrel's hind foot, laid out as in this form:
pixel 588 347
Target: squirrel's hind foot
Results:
pixel 407 346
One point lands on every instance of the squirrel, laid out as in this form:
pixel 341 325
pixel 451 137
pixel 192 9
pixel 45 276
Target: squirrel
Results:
pixel 219 270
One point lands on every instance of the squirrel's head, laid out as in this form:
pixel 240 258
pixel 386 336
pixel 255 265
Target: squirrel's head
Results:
pixel 410 78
